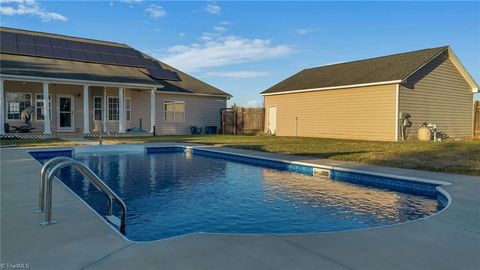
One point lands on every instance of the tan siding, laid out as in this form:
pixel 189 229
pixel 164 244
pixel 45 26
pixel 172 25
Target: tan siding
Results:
pixel 357 113
pixel 54 90
pixel 441 96
pixel 199 111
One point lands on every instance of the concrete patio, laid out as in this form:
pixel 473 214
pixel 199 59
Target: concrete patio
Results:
pixel 82 240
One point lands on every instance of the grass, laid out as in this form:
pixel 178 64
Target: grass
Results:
pixel 36 142
pixel 461 157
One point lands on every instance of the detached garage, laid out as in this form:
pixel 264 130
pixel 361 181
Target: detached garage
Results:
pixel 370 99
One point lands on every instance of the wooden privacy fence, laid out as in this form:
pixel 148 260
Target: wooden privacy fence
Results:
pixel 243 121
pixel 476 120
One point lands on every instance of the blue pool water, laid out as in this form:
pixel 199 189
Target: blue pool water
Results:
pixel 171 194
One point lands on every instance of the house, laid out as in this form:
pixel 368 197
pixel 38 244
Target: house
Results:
pixel 91 82
pixel 371 99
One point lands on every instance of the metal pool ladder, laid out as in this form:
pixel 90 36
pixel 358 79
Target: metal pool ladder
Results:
pixel 59 163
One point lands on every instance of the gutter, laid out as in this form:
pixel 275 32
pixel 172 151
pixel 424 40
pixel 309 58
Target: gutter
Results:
pixel 79 82
pixel 333 87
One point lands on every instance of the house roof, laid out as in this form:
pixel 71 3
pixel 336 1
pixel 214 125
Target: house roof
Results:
pixel 44 55
pixel 21 65
pixel 374 70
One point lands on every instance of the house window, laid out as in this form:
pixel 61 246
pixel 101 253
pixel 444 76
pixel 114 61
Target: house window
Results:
pixel 40 108
pixel 16 103
pixel 174 111
pixel 113 108
pixel 97 108
pixel 128 109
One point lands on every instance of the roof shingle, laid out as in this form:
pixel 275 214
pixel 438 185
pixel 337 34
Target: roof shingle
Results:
pixel 379 69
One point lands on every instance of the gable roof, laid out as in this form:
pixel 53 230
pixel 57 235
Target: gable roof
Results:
pixel 34 55
pixel 385 69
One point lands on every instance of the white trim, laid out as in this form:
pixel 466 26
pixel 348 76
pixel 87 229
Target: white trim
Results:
pixel 174 111
pixel 458 65
pixel 463 71
pixel 194 94
pixel 20 112
pixel 108 110
pixel 47 128
pixel 43 100
pixel 2 109
pixel 129 99
pixel 75 82
pixel 397 101
pixel 86 119
pixel 153 111
pixel 121 110
pixel 64 129
pixel 93 107
pixel 268 118
pixel 424 64
pixel 332 88
pixel 103 84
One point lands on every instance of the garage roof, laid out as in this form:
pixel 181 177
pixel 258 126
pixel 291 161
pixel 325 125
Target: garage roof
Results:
pixel 373 70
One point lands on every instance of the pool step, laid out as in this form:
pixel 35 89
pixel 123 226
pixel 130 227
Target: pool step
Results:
pixel 114 220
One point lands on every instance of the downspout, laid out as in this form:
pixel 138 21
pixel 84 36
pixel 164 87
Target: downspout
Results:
pixel 397 100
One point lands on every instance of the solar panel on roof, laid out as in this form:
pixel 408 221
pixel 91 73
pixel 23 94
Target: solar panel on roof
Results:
pixel 26 49
pixel 135 61
pixel 74 45
pixel 8 47
pixel 93 56
pixel 78 55
pixel 60 43
pixel 104 49
pixel 89 47
pixel 122 60
pixel 80 51
pixel 108 58
pixel 162 74
pixel 45 51
pixel 61 53
pixel 42 41
pixel 8 37
pixel 26 39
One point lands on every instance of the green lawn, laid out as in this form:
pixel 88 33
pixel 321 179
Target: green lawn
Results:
pixel 454 157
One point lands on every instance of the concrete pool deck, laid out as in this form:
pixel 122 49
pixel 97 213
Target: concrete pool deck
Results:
pixel 82 240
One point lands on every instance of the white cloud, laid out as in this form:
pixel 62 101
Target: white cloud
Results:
pixel 213 8
pixel 28 7
pixel 131 1
pixel 220 29
pixel 222 51
pixel 237 74
pixel 182 35
pixel 155 11
pixel 303 31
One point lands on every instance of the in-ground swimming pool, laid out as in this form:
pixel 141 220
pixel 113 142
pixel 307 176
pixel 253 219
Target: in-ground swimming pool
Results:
pixel 170 192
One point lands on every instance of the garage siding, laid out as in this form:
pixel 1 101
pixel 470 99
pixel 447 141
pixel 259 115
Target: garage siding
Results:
pixel 366 113
pixel 439 95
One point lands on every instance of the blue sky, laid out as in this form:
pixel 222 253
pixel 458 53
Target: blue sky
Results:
pixel 245 47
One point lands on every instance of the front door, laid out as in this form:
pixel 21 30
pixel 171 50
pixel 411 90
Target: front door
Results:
pixel 65 113
pixel 272 120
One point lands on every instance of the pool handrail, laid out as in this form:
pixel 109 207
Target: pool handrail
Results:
pixel 43 177
pixel 94 179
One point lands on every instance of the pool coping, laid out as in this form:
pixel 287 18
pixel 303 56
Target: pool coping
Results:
pixel 457 208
